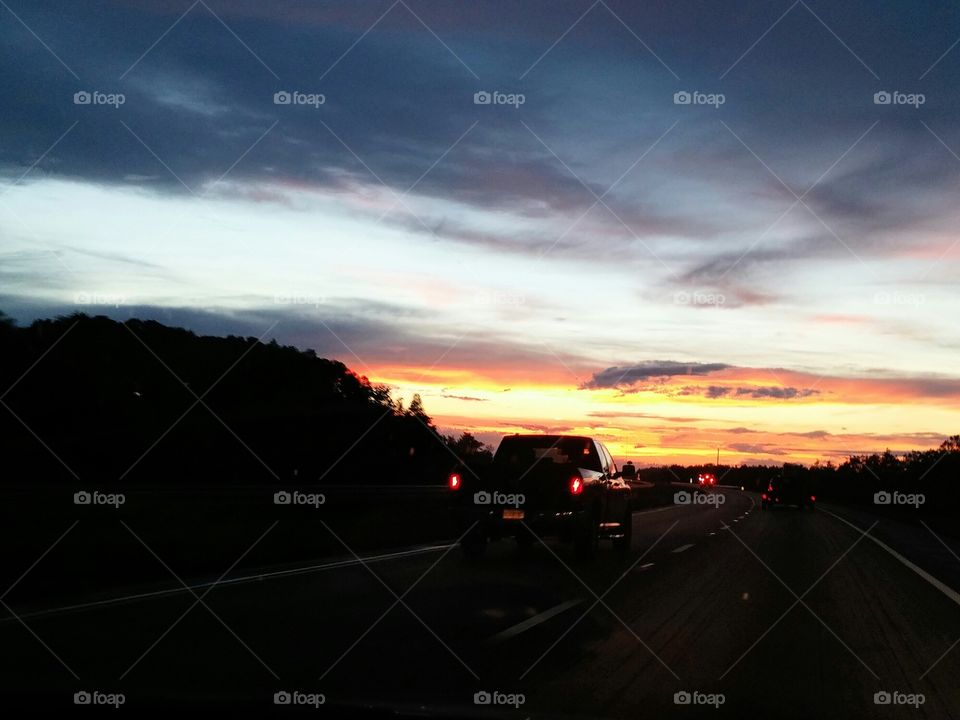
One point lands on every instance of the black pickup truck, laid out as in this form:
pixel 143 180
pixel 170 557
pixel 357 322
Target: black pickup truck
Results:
pixel 561 485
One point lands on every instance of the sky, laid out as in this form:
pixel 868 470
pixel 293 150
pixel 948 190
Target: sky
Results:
pixel 676 226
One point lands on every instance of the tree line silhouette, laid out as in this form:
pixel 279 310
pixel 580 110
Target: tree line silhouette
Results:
pixel 934 474
pixel 104 402
pixel 140 402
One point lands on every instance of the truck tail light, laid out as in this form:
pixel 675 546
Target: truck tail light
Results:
pixel 453 482
pixel 576 485
pixel 813 498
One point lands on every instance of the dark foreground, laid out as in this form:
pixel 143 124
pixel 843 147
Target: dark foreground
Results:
pixel 773 614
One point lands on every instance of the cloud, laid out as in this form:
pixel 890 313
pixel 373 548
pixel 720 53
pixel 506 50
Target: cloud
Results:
pixel 463 397
pixel 757 449
pixel 617 377
pixel 779 393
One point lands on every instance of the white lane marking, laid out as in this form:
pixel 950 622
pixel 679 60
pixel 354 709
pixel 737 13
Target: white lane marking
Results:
pixel 945 589
pixel 333 565
pixel 713 533
pixel 530 622
pixel 645 566
pixel 682 548
pixel 661 509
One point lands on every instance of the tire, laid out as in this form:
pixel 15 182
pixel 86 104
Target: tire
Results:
pixel 588 539
pixel 622 544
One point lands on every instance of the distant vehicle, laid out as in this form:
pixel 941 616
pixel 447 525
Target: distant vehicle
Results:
pixel 566 486
pixel 788 488
pixel 629 471
pixel 706 480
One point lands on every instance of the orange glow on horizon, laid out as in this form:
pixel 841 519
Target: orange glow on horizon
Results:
pixel 754 415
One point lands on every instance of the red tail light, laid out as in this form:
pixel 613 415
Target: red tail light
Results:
pixel 453 481
pixel 813 498
pixel 576 485
pixel 763 496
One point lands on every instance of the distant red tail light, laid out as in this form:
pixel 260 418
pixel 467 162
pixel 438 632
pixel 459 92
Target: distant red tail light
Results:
pixel 453 482
pixel 813 498
pixel 576 485
pixel 763 496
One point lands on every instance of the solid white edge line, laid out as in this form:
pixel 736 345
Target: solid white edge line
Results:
pixel 945 589
pixel 333 565
pixel 530 622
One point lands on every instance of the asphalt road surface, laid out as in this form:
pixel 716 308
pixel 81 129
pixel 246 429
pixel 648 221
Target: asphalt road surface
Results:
pixel 746 613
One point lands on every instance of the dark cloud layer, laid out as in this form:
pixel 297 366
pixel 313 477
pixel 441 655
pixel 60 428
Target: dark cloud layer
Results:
pixel 399 99
pixel 617 377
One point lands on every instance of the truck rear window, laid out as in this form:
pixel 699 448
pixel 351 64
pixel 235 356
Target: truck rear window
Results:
pixel 525 450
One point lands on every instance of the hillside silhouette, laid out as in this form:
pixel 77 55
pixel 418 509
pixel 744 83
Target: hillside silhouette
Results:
pixel 140 402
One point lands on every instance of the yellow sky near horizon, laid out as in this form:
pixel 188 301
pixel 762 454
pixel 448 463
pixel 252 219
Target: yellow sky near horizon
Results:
pixel 747 413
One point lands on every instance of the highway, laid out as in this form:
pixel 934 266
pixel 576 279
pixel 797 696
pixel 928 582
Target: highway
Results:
pixel 783 613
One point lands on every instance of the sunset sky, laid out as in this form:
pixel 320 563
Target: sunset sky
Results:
pixel 774 275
